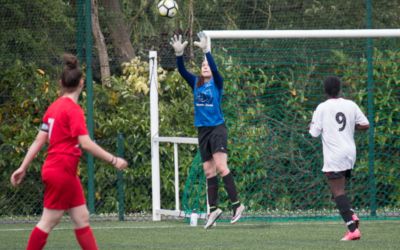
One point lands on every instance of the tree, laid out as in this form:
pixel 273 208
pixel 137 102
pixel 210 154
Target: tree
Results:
pixel 100 45
pixel 35 31
pixel 119 30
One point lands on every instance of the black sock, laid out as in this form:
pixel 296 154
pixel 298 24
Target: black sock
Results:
pixel 231 190
pixel 212 191
pixel 343 204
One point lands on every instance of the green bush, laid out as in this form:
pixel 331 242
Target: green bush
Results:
pixel 280 156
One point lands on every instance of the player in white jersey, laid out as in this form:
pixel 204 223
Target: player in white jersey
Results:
pixel 335 120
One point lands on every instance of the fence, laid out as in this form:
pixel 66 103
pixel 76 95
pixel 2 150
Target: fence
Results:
pixel 36 33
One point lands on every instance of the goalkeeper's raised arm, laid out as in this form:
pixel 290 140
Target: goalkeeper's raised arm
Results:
pixel 203 44
pixel 207 66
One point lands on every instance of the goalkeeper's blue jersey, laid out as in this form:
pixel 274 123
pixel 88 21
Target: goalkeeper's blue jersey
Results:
pixel 208 97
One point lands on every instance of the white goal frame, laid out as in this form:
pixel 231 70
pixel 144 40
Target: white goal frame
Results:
pixel 157 211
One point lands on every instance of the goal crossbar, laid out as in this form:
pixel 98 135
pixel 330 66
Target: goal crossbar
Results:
pixel 259 34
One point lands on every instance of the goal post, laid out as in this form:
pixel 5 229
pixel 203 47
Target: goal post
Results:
pixel 272 84
pixel 156 139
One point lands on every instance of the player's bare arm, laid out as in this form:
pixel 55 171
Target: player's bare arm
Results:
pixel 362 127
pixel 19 174
pixel 90 146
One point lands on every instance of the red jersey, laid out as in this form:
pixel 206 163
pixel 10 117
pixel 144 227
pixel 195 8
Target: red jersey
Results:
pixel 64 121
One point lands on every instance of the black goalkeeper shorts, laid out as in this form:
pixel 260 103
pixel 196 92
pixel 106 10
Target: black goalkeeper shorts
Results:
pixel 212 140
pixel 337 175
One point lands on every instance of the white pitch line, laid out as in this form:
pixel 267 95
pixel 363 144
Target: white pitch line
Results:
pixel 219 225
pixel 94 228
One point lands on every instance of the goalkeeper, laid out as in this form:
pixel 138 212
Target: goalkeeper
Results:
pixel 212 133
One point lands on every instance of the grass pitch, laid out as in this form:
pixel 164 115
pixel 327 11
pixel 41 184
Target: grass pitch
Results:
pixel 243 235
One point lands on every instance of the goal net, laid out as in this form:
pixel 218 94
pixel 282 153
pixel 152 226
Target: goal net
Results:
pixel 272 84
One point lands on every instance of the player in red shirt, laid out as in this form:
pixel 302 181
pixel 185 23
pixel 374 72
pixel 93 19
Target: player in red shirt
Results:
pixel 64 128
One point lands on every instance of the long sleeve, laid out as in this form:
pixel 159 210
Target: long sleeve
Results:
pixel 216 75
pixel 189 77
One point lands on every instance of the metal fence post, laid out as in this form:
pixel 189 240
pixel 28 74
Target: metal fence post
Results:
pixel 371 114
pixel 89 101
pixel 120 179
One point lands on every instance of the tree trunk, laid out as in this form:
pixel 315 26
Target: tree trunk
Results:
pixel 100 45
pixel 140 12
pixel 119 30
pixel 190 31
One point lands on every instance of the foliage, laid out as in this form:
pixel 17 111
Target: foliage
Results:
pixel 22 111
pixel 35 31
pixel 386 116
pixel 124 108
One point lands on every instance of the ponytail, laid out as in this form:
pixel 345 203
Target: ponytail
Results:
pixel 71 74
pixel 200 82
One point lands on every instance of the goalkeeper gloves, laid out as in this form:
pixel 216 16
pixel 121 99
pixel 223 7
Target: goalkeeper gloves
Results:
pixel 176 43
pixel 203 43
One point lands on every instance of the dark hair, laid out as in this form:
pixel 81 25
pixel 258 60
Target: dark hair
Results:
pixel 332 86
pixel 200 82
pixel 71 74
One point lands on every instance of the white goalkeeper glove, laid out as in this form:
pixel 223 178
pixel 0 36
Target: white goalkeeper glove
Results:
pixel 176 43
pixel 203 43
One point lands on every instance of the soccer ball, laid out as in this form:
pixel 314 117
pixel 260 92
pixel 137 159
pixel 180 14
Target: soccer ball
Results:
pixel 167 8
